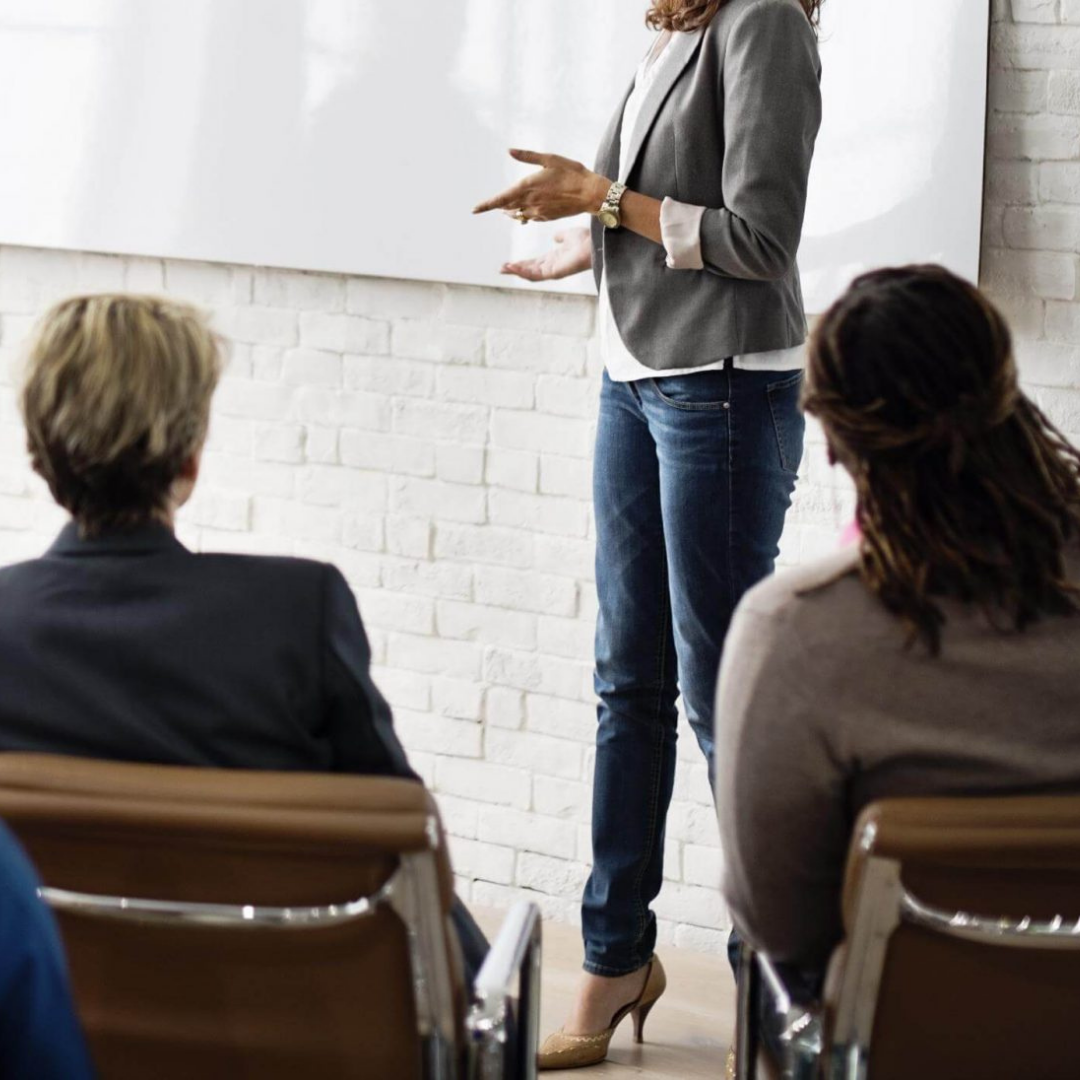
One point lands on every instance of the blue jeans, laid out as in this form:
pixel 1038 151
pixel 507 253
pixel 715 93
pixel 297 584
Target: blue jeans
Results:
pixel 693 478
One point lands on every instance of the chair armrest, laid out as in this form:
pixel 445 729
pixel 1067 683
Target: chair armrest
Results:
pixel 769 1017
pixel 505 1047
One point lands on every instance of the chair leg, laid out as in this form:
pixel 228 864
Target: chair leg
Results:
pixel 746 1035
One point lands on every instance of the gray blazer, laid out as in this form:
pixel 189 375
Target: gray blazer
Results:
pixel 730 125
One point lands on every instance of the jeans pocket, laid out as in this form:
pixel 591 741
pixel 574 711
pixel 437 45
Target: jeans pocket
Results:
pixel 788 421
pixel 700 390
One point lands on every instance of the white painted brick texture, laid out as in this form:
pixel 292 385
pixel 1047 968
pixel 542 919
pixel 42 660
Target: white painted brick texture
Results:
pixel 435 442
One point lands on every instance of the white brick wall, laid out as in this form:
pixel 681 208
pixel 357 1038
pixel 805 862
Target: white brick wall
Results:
pixel 435 443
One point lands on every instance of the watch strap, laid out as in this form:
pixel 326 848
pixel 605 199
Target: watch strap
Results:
pixel 613 199
pixel 610 214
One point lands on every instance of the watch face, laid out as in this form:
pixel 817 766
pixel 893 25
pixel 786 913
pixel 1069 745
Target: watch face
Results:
pixel 609 219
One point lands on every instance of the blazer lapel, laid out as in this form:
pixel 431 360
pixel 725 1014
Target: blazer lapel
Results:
pixel 685 45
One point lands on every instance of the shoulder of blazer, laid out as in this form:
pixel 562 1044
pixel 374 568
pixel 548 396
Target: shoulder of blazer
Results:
pixel 277 573
pixel 735 11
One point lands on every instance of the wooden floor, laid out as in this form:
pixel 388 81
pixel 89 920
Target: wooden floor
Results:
pixel 688 1032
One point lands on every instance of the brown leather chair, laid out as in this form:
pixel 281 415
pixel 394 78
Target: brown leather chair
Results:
pixel 962 956
pixel 251 924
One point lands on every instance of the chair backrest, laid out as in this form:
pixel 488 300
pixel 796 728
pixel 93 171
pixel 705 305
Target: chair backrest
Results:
pixel 962 955
pixel 273 924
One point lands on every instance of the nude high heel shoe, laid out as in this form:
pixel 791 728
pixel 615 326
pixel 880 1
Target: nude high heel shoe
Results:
pixel 563 1051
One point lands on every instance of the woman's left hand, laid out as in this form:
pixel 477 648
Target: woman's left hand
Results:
pixel 562 188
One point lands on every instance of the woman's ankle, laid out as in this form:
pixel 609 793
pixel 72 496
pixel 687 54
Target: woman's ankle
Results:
pixel 600 997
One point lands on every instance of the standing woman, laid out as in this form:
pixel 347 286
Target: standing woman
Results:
pixel 697 201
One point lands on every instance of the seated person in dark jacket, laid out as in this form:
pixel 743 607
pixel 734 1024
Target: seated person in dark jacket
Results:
pixel 120 643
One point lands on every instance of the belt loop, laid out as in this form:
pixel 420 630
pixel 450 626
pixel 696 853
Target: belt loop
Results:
pixel 729 363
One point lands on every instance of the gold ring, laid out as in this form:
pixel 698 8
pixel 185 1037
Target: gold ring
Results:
pixel 519 216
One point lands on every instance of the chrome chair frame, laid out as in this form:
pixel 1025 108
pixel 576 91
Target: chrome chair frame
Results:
pixel 412 893
pixel 884 903
pixel 515 955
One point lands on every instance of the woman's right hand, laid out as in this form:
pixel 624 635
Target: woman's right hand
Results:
pixel 571 254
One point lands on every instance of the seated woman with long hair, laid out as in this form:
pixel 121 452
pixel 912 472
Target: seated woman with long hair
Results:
pixel 939 655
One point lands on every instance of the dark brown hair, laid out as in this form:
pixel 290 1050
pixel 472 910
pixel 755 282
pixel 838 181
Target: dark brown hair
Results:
pixel 965 489
pixel 688 15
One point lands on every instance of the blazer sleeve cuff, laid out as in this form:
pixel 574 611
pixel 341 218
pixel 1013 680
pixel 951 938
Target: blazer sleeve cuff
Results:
pixel 680 227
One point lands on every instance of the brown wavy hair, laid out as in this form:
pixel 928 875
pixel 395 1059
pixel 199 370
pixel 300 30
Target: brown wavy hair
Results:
pixel 683 16
pixel 965 488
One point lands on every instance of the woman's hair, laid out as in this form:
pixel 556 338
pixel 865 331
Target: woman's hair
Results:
pixel 965 489
pixel 684 16
pixel 116 399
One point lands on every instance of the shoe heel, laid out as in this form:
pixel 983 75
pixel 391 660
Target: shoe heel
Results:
pixel 640 1014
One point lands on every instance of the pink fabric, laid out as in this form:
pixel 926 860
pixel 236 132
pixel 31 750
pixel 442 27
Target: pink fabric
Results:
pixel 680 227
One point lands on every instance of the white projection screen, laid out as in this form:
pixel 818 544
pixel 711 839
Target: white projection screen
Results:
pixel 355 135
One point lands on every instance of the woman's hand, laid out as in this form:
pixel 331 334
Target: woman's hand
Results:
pixel 571 254
pixel 562 188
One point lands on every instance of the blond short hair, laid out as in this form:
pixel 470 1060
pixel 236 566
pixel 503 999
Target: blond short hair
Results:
pixel 116 399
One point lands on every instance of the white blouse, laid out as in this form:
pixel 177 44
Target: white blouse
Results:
pixel 680 227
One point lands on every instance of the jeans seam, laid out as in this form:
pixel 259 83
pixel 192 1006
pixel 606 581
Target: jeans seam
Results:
pixel 654 793
pixel 729 368
pixel 783 384
pixel 781 442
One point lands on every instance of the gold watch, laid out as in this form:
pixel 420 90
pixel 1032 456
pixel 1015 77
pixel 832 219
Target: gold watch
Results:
pixel 609 214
